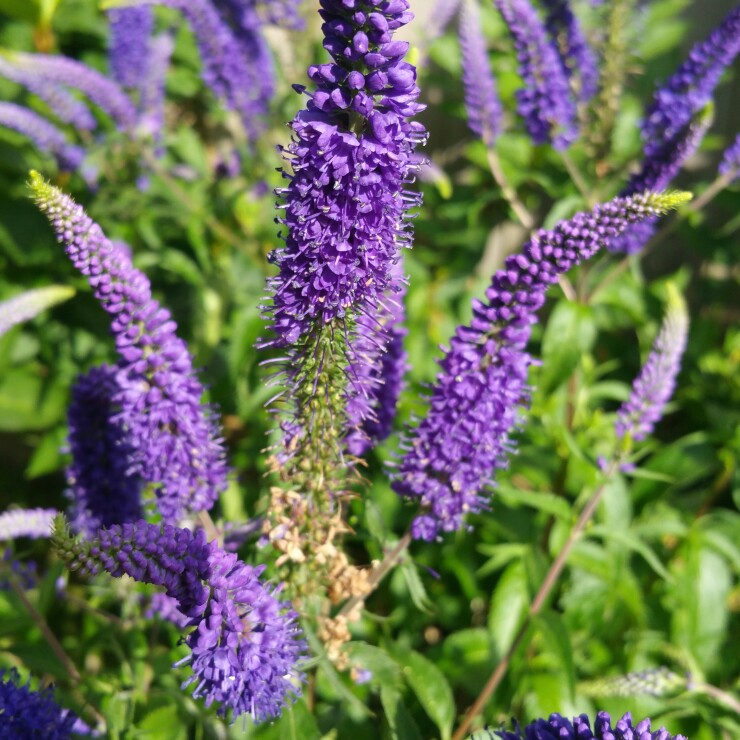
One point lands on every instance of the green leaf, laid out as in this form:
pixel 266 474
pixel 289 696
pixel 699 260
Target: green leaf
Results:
pixel 163 723
pixel 384 668
pixel 24 10
pixel 416 588
pixel 548 503
pixel 629 540
pixel 400 721
pixel 558 641
pixel 508 606
pixel 432 691
pixel 570 333
pixel 295 723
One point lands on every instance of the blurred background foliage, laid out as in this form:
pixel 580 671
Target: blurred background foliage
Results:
pixel 654 581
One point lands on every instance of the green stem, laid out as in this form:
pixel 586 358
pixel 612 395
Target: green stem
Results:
pixel 553 574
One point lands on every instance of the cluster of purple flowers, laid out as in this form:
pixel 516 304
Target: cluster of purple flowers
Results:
pixel 730 164
pixel 656 382
pixel 128 52
pixel 172 438
pixel 245 643
pixel 31 715
pixel 30 303
pixel 576 55
pixel 481 99
pixel 33 523
pixel 236 60
pixel 452 454
pixel 347 200
pixel 102 488
pixel 675 123
pixel 545 102
pixel 45 135
pixel 557 727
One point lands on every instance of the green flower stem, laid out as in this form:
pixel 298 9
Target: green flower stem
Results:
pixel 520 210
pixel 56 647
pixel 553 574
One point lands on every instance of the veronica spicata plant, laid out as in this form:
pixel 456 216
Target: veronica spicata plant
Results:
pixel 481 488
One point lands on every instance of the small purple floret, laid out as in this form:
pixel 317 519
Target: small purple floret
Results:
pixel 31 715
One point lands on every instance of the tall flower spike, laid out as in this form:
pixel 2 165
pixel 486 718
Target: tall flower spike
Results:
pixel 64 105
pixel 544 102
pixel 656 382
pixel 128 48
pixel 31 303
pixel 557 727
pixel 346 201
pixel 453 453
pixel 235 78
pixel 691 86
pixel 481 98
pixel 579 60
pixel 176 444
pixel 46 136
pixel 33 523
pixel 152 90
pixel 105 93
pixel 102 488
pixel 245 644
pixel 31 715
pixel 656 173
pixel 730 164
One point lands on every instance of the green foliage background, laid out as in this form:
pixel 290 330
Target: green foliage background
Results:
pixel 652 583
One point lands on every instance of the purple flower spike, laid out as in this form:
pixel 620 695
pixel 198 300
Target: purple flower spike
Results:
pixel 31 303
pixel 246 643
pixel 33 523
pixel 46 136
pixel 657 172
pixel 579 61
pixel 481 99
pixel 64 106
pixel 676 121
pixel 152 90
pixel 730 164
pixel 176 444
pixel 544 103
pixel 656 382
pixel 346 202
pixel 691 87
pixel 237 78
pixel 31 715
pixel 130 29
pixel 246 647
pixel 102 488
pixel 557 727
pixel 453 453
pixel 105 93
